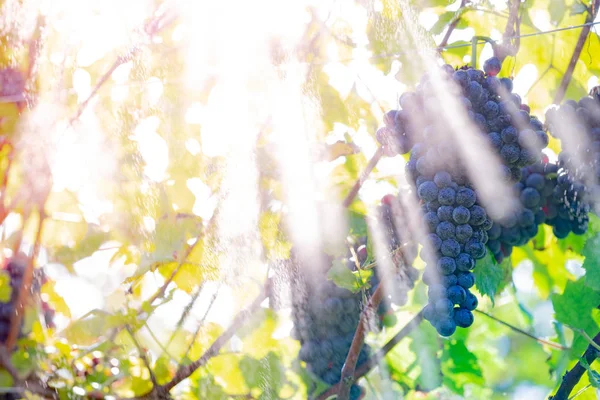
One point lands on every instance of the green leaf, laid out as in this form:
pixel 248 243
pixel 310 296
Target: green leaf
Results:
pixel 593 376
pixel 460 366
pixel 85 247
pixel 358 224
pixel 577 8
pixel 5 288
pixel 491 277
pixel 90 328
pixel 353 281
pixel 425 345
pixel 557 10
pixel 264 373
pixel 169 240
pixel 441 23
pixel 207 388
pixel 592 263
pixel 574 306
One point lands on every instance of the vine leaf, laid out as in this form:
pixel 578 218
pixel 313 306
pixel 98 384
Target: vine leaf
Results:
pixel 578 8
pixel 5 289
pixel 593 376
pixel 425 345
pixel 491 277
pixel 574 307
pixel 344 278
pixel 557 11
pixel 591 263
pixel 460 366
pixel 264 373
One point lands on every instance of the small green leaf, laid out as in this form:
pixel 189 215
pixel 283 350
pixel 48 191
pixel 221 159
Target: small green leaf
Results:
pixel 425 345
pixel 442 21
pixel 557 10
pixel 330 152
pixel 264 373
pixel 574 306
pixel 576 9
pixel 593 376
pixel 5 289
pixel 344 278
pixel 358 224
pixel 460 366
pixel 491 277
pixel 592 263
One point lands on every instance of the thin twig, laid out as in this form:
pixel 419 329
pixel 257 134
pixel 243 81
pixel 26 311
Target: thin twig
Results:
pixel 349 367
pixel 185 314
pixel 201 322
pixel 572 377
pixel 529 335
pixel 25 290
pixel 511 37
pixel 142 354
pixel 155 338
pixel 452 26
pixel 363 176
pixel 152 29
pixel 364 369
pixel 583 35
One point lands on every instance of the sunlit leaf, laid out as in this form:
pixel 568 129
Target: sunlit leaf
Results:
pixel 347 279
pixel 491 277
pixel 592 263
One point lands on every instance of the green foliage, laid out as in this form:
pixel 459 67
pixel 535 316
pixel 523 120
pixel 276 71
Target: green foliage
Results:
pixel 343 277
pixel 491 277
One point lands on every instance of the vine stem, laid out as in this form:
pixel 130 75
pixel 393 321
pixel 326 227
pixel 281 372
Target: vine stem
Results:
pixel 511 38
pixel 24 291
pixel 452 26
pixel 152 28
pixel 529 335
pixel 363 176
pixel 364 369
pixel 583 35
pixel 572 377
pixel 349 367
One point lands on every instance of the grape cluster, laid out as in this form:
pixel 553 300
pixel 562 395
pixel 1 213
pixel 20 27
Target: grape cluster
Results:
pixel 15 268
pixel 402 250
pixel 394 137
pixel 457 228
pixel 517 136
pixel 325 320
pixel 522 224
pixel 577 125
pixel 12 82
pixel 566 208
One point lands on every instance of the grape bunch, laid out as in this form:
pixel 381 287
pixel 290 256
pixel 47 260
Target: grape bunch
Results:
pixel 457 228
pixel 566 208
pixel 394 137
pixel 12 82
pixel 325 320
pixel 522 224
pixel 577 125
pixel 15 267
pixel 517 136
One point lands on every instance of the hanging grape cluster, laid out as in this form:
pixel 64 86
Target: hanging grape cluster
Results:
pixel 15 268
pixel 325 319
pixel 456 222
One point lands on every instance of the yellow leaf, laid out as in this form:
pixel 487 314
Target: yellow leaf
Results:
pixel 55 300
pixel 5 289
